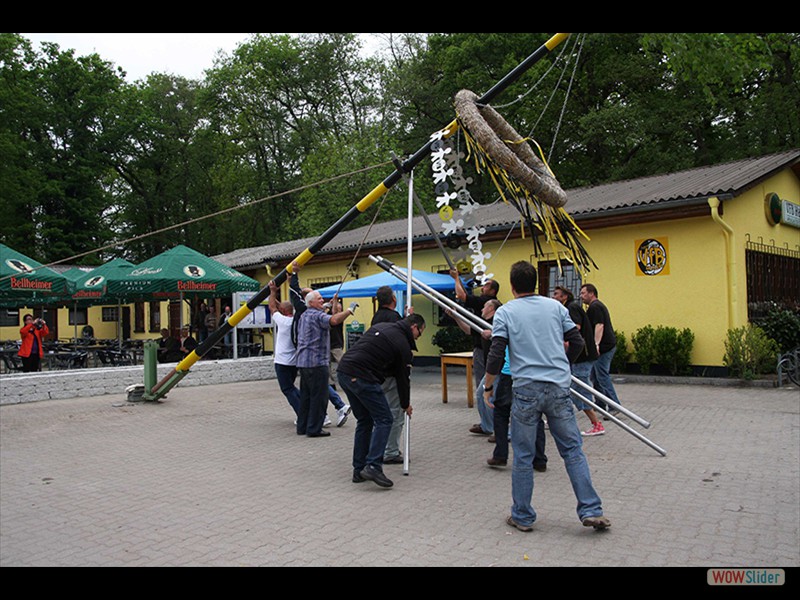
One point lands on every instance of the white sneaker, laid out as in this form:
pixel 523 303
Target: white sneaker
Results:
pixel 327 422
pixel 342 413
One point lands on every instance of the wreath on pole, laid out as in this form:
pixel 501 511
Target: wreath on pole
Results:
pixel 522 178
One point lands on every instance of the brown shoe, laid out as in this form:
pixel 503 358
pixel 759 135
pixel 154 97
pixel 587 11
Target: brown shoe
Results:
pixel 496 462
pixel 510 521
pixel 492 439
pixel 599 523
pixel 478 429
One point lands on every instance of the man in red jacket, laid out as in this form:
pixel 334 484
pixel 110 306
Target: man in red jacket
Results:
pixel 32 349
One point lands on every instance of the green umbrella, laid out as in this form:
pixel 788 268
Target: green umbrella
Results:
pixel 91 287
pixel 25 282
pixel 179 273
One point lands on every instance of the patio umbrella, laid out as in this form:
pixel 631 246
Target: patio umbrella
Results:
pixel 25 282
pixel 91 287
pixel 178 273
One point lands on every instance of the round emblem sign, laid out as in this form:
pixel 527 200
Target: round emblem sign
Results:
pixel 194 271
pixel 651 257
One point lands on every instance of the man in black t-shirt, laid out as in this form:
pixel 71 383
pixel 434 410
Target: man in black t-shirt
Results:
pixel 582 367
pixel 605 342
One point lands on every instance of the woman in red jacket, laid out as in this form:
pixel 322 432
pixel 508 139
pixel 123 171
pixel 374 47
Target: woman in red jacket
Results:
pixel 32 348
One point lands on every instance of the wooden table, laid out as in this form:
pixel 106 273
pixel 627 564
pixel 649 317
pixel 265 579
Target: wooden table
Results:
pixel 457 358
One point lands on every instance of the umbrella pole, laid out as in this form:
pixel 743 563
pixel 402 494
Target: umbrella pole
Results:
pixel 366 202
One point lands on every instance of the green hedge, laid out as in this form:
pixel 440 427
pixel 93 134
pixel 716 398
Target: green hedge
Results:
pixel 750 352
pixel 665 346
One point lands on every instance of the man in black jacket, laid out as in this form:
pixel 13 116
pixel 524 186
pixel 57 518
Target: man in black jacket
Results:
pixel 385 348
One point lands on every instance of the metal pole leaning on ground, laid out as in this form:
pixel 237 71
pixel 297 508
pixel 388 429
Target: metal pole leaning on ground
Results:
pixel 613 404
pixel 183 367
pixel 630 430
pixel 479 324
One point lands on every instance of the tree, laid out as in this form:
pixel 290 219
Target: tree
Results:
pixel 58 110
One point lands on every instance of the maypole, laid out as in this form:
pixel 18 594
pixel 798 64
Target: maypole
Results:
pixel 182 368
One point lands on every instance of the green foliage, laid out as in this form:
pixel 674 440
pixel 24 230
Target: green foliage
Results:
pixel 622 355
pixel 782 325
pixel 664 346
pixel 749 352
pixel 452 339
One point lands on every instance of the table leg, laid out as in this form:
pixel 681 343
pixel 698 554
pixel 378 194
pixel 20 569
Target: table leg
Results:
pixel 444 383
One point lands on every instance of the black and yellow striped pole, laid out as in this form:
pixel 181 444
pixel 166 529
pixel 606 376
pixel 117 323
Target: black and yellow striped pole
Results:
pixel 182 368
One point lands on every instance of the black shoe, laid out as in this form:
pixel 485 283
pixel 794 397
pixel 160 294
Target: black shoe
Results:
pixel 394 460
pixel 370 472
pixel 540 467
pixel 320 434
pixel 613 413
pixel 357 478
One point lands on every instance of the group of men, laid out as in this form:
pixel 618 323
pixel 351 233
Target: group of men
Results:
pixel 374 373
pixel 534 347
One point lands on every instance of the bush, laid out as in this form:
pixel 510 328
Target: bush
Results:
pixel 622 355
pixel 452 339
pixel 664 346
pixel 783 326
pixel 749 352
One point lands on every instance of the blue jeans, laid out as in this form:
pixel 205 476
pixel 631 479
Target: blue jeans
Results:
pixel 582 371
pixel 530 402
pixel 286 375
pixel 335 398
pixel 486 412
pixel 389 388
pixel 601 376
pixel 313 399
pixel 374 420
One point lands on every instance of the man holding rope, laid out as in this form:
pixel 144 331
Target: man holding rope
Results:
pixel 535 328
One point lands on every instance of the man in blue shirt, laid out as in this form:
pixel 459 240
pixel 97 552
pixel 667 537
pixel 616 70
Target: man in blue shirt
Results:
pixel 535 329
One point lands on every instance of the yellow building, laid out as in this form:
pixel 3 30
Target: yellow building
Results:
pixel 698 249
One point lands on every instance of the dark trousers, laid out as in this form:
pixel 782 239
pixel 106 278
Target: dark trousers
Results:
pixel 313 399
pixel 286 375
pixel 31 364
pixel 503 397
pixel 374 420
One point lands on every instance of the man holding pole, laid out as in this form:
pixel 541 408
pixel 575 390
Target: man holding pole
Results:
pixel 384 348
pixel 535 328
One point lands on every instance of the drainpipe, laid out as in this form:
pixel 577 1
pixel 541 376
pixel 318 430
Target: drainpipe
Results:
pixel 730 260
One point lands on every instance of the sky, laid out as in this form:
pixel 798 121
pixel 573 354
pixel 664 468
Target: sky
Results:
pixel 140 54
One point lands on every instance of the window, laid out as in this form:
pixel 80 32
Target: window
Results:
pixel 773 278
pixel 549 278
pixel 77 316
pixel 155 317
pixel 138 317
pixel 109 313
pixel 9 317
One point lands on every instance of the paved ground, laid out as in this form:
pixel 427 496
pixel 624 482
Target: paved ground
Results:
pixel 215 476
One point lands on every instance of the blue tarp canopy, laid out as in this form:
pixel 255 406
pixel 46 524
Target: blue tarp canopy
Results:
pixel 367 286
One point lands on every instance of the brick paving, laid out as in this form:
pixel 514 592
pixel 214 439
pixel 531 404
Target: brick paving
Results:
pixel 214 475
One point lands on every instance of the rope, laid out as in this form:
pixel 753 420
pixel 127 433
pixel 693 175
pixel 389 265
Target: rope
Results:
pixel 218 213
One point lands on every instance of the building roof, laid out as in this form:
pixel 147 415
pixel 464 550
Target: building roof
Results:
pixel 657 192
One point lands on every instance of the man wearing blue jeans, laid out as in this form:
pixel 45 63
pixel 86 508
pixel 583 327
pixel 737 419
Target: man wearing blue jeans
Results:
pixel 606 343
pixel 385 348
pixel 535 329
